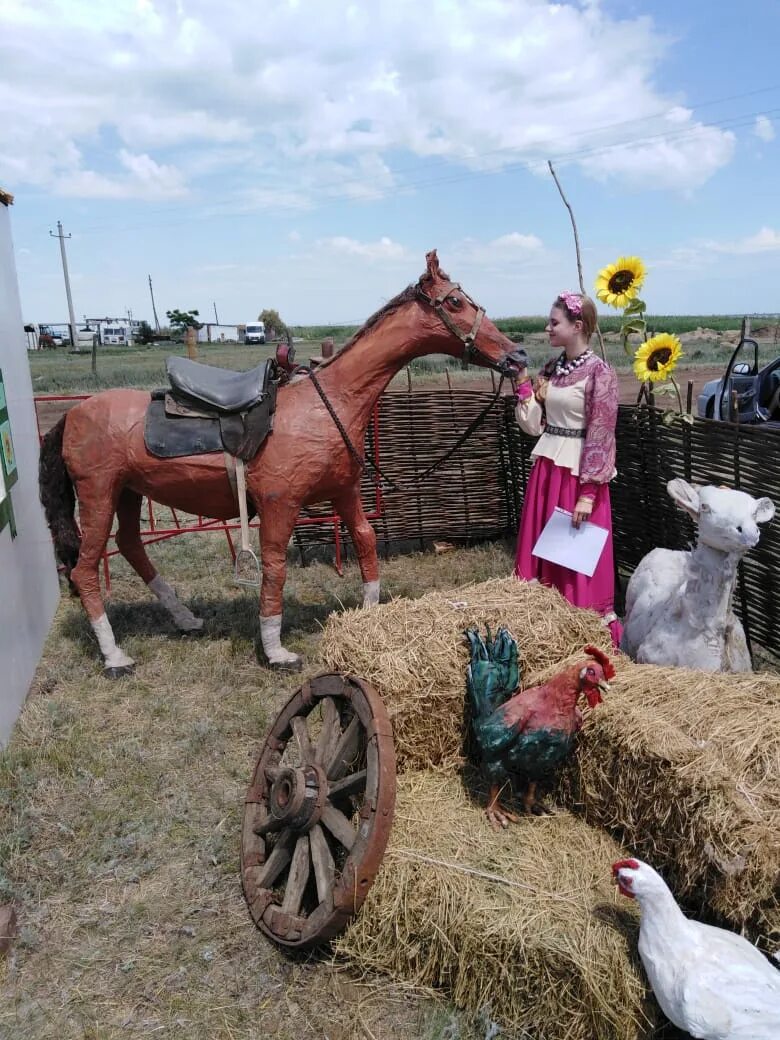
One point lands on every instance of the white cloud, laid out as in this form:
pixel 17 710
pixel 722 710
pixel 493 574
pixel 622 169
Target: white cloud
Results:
pixel 292 107
pixel 384 249
pixel 707 252
pixel 764 129
pixel 683 161
pixel 147 180
pixel 767 240
pixel 511 249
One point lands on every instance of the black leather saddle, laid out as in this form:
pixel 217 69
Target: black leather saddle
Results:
pixel 219 389
pixel 210 409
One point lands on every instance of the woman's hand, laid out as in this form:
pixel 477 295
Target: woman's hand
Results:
pixel 582 511
pixel 540 389
pixel 518 376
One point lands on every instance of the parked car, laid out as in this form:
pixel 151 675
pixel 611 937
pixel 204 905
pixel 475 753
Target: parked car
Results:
pixel 746 392
pixel 255 332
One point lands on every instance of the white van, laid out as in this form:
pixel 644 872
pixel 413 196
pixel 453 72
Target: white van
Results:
pixel 255 332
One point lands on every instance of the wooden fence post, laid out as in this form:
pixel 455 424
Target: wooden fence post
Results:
pixel 191 339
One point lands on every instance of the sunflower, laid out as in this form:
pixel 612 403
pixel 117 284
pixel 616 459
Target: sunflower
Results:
pixel 618 284
pixel 657 358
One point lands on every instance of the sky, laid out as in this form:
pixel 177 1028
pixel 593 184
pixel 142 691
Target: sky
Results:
pixel 304 155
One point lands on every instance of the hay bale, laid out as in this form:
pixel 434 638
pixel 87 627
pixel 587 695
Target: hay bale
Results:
pixel 684 766
pixel 523 923
pixel 413 651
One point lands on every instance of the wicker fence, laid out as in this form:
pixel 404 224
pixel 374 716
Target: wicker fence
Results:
pixel 478 493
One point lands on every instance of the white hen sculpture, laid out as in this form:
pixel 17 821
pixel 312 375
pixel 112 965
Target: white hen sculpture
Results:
pixel 710 982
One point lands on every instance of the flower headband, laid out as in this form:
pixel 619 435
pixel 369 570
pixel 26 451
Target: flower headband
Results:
pixel 571 301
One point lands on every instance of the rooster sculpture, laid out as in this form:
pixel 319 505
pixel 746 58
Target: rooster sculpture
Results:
pixel 529 734
pixel 710 982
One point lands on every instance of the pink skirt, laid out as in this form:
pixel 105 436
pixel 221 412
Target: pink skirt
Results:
pixel 550 486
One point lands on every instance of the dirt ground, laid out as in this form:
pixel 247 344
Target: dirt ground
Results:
pixel 697 374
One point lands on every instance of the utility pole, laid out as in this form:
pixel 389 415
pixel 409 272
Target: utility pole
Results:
pixel 154 309
pixel 216 316
pixel 74 339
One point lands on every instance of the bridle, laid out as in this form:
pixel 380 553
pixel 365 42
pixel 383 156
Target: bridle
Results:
pixel 471 352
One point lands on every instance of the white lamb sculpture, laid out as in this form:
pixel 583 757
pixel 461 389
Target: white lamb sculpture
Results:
pixel 678 603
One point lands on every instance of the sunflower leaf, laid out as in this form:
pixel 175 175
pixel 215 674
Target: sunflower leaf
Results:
pixel 635 306
pixel 686 417
pixel 635 325
pixel 668 418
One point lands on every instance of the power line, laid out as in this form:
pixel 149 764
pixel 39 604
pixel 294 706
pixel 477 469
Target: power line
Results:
pixel 537 150
pixel 542 146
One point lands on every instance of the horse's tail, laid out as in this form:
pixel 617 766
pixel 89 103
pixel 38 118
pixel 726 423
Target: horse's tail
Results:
pixel 58 498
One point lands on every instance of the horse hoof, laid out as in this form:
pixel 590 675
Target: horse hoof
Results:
pixel 285 666
pixel 190 633
pixel 120 672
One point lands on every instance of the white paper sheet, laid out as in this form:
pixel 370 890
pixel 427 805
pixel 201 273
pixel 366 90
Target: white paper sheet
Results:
pixel 578 548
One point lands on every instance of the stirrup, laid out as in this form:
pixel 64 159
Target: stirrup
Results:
pixel 247 564
pixel 247 571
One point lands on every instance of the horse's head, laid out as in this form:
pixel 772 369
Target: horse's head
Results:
pixel 476 338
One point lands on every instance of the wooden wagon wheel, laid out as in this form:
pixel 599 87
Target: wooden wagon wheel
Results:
pixel 318 812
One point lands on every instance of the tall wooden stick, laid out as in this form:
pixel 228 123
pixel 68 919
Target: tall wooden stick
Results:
pixel 577 250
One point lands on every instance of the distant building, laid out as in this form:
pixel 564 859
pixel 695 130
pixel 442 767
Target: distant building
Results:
pixel 210 332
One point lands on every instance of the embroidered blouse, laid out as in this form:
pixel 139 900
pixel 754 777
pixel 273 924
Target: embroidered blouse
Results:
pixel 585 399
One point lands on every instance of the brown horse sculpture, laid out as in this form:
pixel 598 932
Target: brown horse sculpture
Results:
pixel 98 448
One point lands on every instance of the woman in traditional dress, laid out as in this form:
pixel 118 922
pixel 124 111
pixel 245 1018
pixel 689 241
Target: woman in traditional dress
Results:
pixel 573 405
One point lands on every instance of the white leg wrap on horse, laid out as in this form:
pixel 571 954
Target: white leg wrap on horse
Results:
pixel 370 593
pixel 112 655
pixel 183 618
pixel 270 636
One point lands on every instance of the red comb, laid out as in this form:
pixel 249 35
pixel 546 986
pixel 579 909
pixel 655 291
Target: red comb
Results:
pixel 603 660
pixel 631 864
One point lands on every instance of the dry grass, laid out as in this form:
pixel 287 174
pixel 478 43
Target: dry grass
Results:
pixel 413 651
pixel 120 806
pixel 686 768
pixel 120 811
pixel 522 925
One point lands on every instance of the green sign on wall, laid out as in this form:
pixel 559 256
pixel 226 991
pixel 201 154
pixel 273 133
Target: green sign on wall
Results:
pixel 8 471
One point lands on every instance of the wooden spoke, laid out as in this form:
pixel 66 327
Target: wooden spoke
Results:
pixel 301 731
pixel 307 863
pixel 346 750
pixel 300 868
pixel 352 784
pixel 330 732
pixel 276 862
pixel 339 826
pixel 322 859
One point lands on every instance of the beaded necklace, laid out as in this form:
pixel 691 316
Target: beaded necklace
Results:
pixel 563 367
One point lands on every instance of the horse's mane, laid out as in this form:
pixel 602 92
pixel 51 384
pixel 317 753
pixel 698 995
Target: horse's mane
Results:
pixel 405 296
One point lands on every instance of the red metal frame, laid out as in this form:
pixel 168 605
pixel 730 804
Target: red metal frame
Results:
pixel 152 533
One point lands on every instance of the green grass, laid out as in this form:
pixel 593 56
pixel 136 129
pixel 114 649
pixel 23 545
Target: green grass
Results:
pixel 143 367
